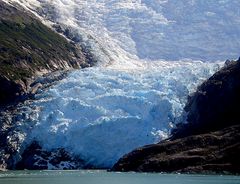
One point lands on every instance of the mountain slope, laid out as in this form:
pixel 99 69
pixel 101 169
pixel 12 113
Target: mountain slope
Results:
pixel 29 49
pixel 215 103
pixel 150 29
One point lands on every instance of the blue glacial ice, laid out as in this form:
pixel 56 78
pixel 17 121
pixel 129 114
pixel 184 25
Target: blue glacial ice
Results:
pixel 102 113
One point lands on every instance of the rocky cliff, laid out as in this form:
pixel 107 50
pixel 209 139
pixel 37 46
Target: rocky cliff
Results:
pixel 209 143
pixel 29 49
pixel 215 103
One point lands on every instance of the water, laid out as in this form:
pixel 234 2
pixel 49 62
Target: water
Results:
pixel 103 177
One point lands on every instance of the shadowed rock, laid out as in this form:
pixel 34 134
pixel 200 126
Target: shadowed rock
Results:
pixel 209 143
pixel 36 158
pixel 215 104
pixel 215 152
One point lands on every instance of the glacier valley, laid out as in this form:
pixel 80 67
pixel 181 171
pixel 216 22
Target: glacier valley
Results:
pixel 152 54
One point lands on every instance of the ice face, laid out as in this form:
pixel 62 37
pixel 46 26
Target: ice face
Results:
pixel 102 113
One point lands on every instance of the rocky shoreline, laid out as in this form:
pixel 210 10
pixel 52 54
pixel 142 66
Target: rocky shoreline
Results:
pixel 209 143
pixel 212 153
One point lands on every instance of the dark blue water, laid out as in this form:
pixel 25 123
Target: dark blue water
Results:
pixel 103 177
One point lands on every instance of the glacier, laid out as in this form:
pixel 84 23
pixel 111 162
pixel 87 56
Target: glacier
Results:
pixel 152 54
pixel 101 113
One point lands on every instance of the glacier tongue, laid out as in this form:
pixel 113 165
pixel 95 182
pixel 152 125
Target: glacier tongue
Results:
pixel 102 113
pixel 132 99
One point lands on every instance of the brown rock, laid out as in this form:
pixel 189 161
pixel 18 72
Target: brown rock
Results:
pixel 215 152
pixel 209 143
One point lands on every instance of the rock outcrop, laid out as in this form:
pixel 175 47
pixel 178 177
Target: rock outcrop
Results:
pixel 209 143
pixel 215 104
pixel 36 158
pixel 214 152
pixel 29 49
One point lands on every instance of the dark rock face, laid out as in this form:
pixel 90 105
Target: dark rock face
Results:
pixel 215 104
pixel 209 143
pixel 215 152
pixel 8 90
pixel 36 158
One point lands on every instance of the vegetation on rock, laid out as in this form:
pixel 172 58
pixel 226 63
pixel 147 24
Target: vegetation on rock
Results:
pixel 28 48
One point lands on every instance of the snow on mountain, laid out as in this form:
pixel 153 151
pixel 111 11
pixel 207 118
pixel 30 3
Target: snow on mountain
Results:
pixel 133 98
pixel 161 29
pixel 152 29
